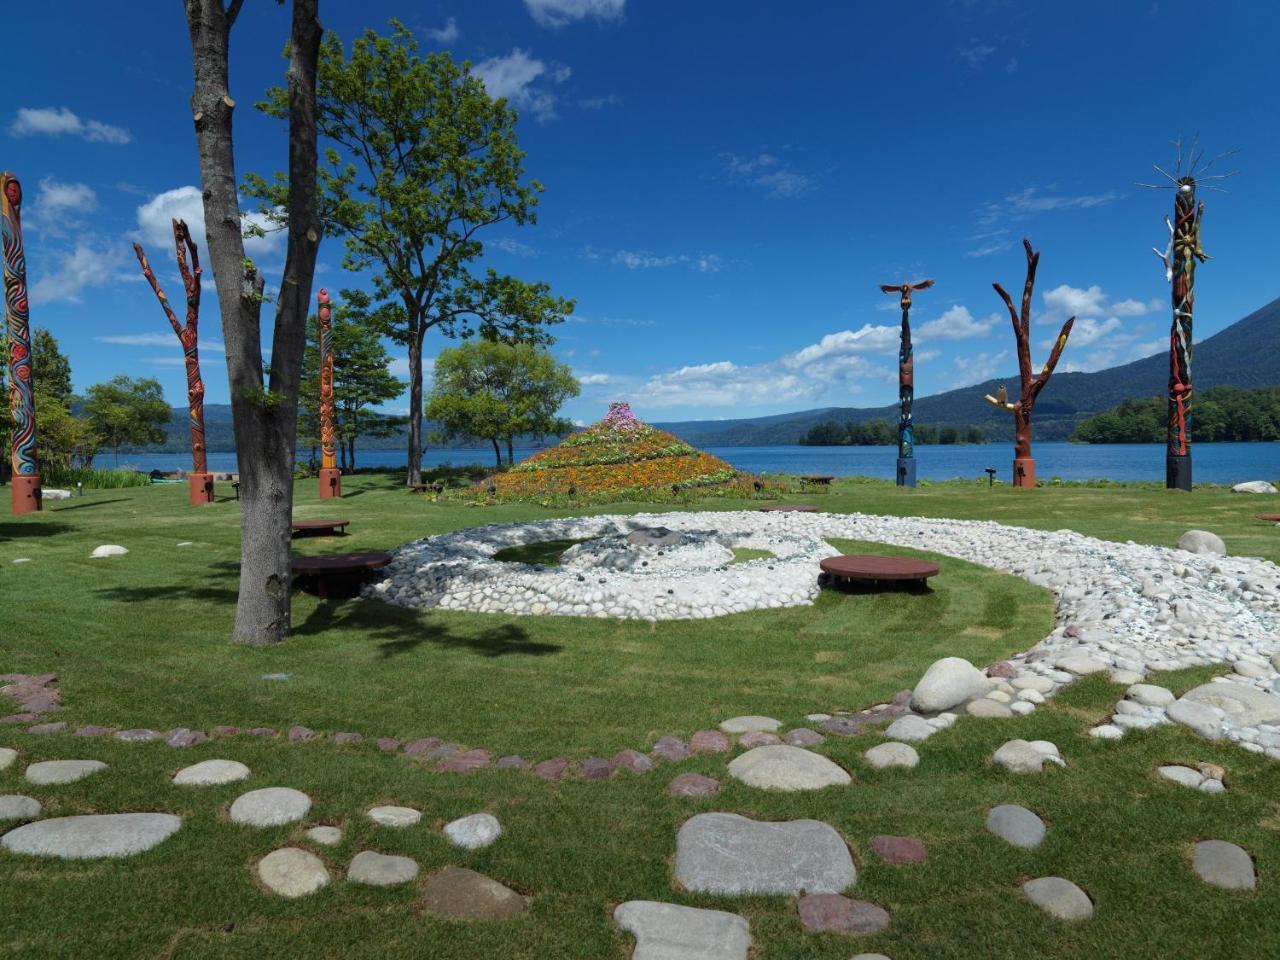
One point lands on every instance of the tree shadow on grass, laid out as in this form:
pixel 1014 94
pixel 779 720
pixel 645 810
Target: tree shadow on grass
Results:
pixel 399 631
pixel 207 594
pixel 17 531
pixel 91 503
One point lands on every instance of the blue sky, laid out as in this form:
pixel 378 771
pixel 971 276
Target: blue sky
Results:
pixel 727 181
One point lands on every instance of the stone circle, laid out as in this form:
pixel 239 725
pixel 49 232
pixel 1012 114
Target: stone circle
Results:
pixel 461 894
pixel 1059 898
pixel 782 767
pixel 725 853
pixel 292 872
pixel 380 869
pixel 473 832
pixel 270 807
pixel 18 807
pixel 892 754
pixel 210 773
pixel 1016 824
pixel 92 836
pixel 50 772
pixel 391 816
pixel 1224 864
pixel 667 931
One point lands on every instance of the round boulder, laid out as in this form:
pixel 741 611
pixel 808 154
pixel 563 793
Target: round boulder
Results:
pixel 380 869
pixel 892 754
pixel 1059 898
pixel 270 807
pixel 291 872
pixel 750 725
pixel 1202 541
pixel 473 832
pixel 948 683
pixel 1017 825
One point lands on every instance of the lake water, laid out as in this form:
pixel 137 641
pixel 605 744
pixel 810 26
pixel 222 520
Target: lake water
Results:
pixel 1213 462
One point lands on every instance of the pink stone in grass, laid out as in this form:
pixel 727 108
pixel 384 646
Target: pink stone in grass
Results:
pixel 464 762
pixel 899 851
pixel 833 913
pixel 804 737
pixel 552 769
pixel 421 745
pixel 1001 669
pixel 671 748
pixel 91 730
pixel 301 734
pixel 224 730
pixel 348 737
pixel 388 743
pixel 48 727
pixel 709 741
pixel 597 768
pixel 758 738
pixel 511 762
pixel 692 785
pixel 633 760
pixel 182 737
pixel 262 732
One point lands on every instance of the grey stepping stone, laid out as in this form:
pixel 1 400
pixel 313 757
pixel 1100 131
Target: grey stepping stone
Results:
pixel 671 748
pixel 1200 718
pixel 270 807
pixel 1245 705
pixel 910 727
pixel 750 725
pixel 57 726
pixel 692 785
pixel 89 837
pixel 49 772
pixel 1183 775
pixel 1223 864
pixel 726 853
pixel 291 872
pixel 473 832
pixel 461 894
pixel 597 768
pixel 140 735
pixel 552 769
pixel 989 709
pixel 325 836
pixel 7 758
pixel 1016 824
pixel 666 931
pixel 832 913
pixel 1022 756
pixel 511 762
pixel 803 737
pixel 17 807
pixel 1059 898
pixel 390 816
pixel 892 754
pixel 274 676
pixel 757 738
pixel 211 773
pixel 782 767
pixel 183 737
pixel 380 869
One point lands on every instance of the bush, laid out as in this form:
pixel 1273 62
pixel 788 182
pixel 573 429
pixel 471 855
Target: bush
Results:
pixel 93 478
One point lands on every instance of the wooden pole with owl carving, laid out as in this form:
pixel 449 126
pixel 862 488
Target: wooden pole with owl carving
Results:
pixel 1024 466
pixel 330 475
pixel 906 469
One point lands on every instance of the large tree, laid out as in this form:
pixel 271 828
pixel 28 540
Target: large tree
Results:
pixel 264 407
pixel 127 412
pixel 50 369
pixel 421 160
pixel 495 391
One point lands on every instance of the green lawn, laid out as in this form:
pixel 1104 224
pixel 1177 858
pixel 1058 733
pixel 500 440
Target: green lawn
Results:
pixel 141 641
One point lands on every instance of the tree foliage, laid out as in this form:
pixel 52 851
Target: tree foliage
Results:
pixel 419 160
pixel 125 411
pixel 50 369
pixel 496 391
pixel 870 433
pixel 1219 414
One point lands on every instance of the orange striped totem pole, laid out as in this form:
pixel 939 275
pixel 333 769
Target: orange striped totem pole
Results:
pixel 25 484
pixel 330 475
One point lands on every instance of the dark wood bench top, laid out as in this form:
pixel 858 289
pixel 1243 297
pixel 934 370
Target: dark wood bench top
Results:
pixel 309 526
pixel 789 508
pixel 424 487
pixel 872 567
pixel 1267 517
pixel 327 563
pixel 816 478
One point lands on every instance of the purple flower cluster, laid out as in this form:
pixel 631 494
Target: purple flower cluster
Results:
pixel 620 417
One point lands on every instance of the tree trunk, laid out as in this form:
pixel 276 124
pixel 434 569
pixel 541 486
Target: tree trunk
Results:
pixel 511 455
pixel 351 455
pixel 497 451
pixel 264 415
pixel 415 404
pixel 1021 433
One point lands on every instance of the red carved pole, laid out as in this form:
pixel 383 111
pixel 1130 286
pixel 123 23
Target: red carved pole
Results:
pixel 25 485
pixel 199 480
pixel 1024 466
pixel 330 475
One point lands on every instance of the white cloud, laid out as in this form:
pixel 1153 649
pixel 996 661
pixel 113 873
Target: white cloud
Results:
pixel 593 379
pixel 515 77
pixel 978 367
pixel 975 53
pixel 60 121
pixel 447 34
pixel 184 203
pixel 157 340
pixel 993 219
pixel 1087 330
pixel 557 13
pixel 957 323
pixel 599 103
pixel 513 247
pixel 766 172
pixel 646 260
pixel 642 260
pixel 76 269
pixel 59 204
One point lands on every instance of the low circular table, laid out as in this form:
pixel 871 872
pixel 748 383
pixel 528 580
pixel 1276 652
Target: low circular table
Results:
pixel 790 508
pixel 870 568
pixel 338 574
pixel 319 526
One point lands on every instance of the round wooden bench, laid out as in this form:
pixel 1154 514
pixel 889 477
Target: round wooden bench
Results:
pixel 817 480
pixel 789 508
pixel 320 526
pixel 870 568
pixel 337 574
pixel 1267 517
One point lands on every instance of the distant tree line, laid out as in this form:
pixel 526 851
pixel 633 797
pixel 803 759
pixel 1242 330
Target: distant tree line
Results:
pixel 880 433
pixel 1217 414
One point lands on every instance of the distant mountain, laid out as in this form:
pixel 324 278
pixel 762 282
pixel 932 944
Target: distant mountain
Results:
pixel 1245 354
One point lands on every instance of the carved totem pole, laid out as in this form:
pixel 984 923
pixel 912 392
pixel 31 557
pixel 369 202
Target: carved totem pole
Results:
pixel 906 472
pixel 199 480
pixel 1180 259
pixel 1024 467
pixel 25 483
pixel 330 475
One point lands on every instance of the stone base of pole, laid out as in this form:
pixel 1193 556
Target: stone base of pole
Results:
pixel 25 494
pixel 200 488
pixel 330 483
pixel 1024 472
pixel 1177 472
pixel 906 475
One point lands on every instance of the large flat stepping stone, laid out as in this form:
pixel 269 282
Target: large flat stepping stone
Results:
pixel 782 767
pixel 380 869
pixel 270 807
pixel 1223 865
pixel 892 754
pixel 729 854
pixel 50 772
pixel 1246 706
pixel 750 725
pixel 211 773
pixel 88 837
pixel 389 816
pixel 7 758
pixel 17 807
pixel 666 931
pixel 1016 825
pixel 292 872
pixel 325 836
pixel 473 832
pixel 460 894
pixel 1059 898
pixel 832 913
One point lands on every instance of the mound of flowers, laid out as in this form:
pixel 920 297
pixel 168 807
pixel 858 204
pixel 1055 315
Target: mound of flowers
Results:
pixel 618 456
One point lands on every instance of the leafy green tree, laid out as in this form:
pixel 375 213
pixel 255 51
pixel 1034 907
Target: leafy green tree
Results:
pixel 50 370
pixel 420 160
pixel 127 412
pixel 361 379
pixel 496 391
pixel 65 440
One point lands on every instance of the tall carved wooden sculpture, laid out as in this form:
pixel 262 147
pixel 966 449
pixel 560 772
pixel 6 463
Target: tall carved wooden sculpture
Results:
pixel 1024 467
pixel 25 484
pixel 1180 259
pixel 330 475
pixel 906 472
pixel 199 480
